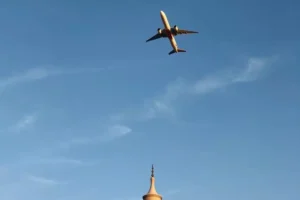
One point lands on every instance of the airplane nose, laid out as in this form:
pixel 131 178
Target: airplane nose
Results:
pixel 162 12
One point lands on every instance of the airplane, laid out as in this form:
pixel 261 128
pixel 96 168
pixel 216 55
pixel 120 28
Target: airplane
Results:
pixel 170 33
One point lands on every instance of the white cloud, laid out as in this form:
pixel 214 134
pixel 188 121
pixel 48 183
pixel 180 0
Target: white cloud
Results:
pixel 117 131
pixel 113 132
pixel 208 84
pixel 44 181
pixel 155 108
pixel 76 141
pixel 163 105
pixel 57 161
pixel 30 75
pixel 40 73
pixel 51 161
pixel 254 69
pixel 251 72
pixel 24 123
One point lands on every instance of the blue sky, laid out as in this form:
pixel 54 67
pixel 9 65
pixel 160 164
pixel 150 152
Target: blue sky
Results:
pixel 86 106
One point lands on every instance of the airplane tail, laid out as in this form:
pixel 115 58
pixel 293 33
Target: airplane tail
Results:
pixel 178 50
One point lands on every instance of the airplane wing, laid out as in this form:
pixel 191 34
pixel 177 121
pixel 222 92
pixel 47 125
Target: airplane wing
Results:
pixel 181 31
pixel 157 36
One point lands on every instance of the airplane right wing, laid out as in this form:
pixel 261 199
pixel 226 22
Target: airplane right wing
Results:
pixel 181 31
pixel 157 36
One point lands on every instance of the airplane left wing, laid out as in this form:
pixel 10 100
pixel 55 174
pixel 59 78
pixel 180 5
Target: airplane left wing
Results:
pixel 157 36
pixel 181 31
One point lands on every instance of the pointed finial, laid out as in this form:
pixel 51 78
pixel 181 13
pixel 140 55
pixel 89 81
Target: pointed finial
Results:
pixel 152 194
pixel 152 171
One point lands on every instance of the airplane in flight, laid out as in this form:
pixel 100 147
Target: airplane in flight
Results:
pixel 170 33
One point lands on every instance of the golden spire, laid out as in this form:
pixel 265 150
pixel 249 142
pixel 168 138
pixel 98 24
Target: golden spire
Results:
pixel 152 194
pixel 152 171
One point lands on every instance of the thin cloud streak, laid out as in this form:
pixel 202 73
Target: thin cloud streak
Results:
pixel 163 105
pixel 36 74
pixel 44 181
pixel 208 84
pixel 254 69
pixel 113 132
pixel 56 161
pixel 24 123
pixel 34 160
pixel 116 131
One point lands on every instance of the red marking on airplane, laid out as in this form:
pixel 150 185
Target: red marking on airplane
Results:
pixel 169 34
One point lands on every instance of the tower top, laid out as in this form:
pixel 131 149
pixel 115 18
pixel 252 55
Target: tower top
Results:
pixel 152 194
pixel 152 171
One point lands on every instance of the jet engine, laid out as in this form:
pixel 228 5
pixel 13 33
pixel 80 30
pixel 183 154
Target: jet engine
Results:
pixel 176 28
pixel 159 31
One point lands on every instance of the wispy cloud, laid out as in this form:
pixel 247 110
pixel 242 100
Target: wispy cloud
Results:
pixel 40 73
pixel 45 155
pixel 254 69
pixel 64 161
pixel 113 132
pixel 24 123
pixel 56 161
pixel 116 131
pixel 44 181
pixel 30 75
pixel 163 105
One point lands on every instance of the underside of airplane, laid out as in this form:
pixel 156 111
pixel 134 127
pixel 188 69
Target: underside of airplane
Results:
pixel 163 33
pixel 170 33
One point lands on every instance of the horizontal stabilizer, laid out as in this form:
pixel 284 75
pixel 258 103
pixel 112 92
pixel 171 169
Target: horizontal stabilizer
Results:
pixel 178 50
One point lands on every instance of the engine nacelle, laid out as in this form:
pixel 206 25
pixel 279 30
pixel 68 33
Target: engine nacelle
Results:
pixel 176 28
pixel 159 31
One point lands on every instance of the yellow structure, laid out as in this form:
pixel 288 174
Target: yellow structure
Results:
pixel 152 194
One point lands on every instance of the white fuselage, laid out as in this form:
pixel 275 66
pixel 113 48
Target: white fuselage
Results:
pixel 168 30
